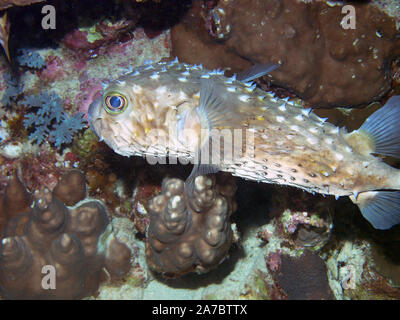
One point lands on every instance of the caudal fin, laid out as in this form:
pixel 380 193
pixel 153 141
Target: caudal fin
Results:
pixel 380 208
pixel 383 126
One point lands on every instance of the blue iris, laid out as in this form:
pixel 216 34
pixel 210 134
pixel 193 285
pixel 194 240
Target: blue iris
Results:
pixel 115 102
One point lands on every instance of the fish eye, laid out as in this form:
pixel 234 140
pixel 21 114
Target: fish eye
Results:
pixel 115 103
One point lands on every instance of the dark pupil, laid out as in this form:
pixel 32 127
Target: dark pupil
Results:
pixel 115 102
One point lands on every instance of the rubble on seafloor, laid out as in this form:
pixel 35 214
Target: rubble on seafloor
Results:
pixel 278 244
pixel 268 263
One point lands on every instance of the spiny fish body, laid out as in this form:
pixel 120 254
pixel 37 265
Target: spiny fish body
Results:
pixel 160 110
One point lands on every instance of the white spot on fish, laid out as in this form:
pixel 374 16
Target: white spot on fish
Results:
pixel 251 89
pixel 295 128
pixel 299 117
pixel 280 119
pixel 335 130
pixel 161 91
pixel 182 79
pixel 154 76
pixel 312 140
pixel 137 89
pixel 339 156
pixel 282 107
pixel 244 97
pixel 231 89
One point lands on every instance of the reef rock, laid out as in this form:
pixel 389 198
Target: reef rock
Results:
pixel 322 62
pixel 304 277
pixel 76 245
pixel 10 3
pixel 190 233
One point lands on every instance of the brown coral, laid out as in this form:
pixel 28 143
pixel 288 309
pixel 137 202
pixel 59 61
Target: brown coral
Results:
pixel 322 62
pixel 304 278
pixel 190 233
pixel 77 242
pixel 10 3
pixel 71 188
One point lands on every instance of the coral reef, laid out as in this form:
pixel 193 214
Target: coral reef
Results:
pixel 5 34
pixel 30 59
pixel 321 62
pixel 190 233
pixel 97 39
pixel 293 245
pixel 305 219
pixel 304 277
pixel 13 90
pixel 77 242
pixel 4 4
pixel 51 120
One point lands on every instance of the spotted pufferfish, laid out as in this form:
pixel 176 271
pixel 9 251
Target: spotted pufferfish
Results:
pixel 162 110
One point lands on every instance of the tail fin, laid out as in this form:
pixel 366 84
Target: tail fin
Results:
pixel 383 126
pixel 380 208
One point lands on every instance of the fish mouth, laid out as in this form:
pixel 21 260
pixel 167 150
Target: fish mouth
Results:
pixel 93 114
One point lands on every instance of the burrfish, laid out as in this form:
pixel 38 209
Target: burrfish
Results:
pixel 179 111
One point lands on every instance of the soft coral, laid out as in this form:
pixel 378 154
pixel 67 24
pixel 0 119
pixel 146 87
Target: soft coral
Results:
pixel 50 120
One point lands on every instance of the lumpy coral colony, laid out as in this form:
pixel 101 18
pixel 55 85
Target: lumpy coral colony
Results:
pixel 39 231
pixel 190 232
pixel 321 62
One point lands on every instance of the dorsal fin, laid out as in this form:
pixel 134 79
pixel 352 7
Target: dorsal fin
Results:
pixel 256 71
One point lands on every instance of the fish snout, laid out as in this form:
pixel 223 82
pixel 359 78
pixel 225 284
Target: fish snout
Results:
pixel 93 114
